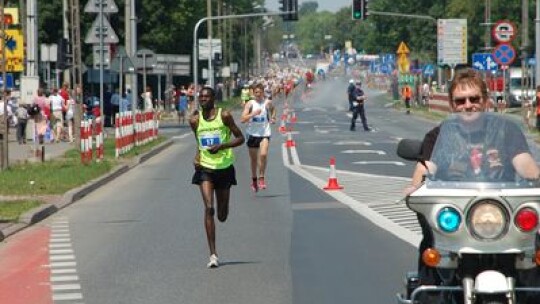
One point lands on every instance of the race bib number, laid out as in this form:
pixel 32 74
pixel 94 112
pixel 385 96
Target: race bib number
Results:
pixel 210 139
pixel 258 119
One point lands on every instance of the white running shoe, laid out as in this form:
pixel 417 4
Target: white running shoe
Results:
pixel 214 262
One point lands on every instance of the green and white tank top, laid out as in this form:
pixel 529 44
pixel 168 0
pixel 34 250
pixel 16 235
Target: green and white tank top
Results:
pixel 211 133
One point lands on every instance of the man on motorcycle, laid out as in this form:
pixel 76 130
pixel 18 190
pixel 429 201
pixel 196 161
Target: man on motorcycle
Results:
pixel 468 95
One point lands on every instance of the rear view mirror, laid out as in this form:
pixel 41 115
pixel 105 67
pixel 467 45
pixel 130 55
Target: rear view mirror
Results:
pixel 409 149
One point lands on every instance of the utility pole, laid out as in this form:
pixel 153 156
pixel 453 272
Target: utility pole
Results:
pixel 210 52
pixel 487 24
pixel 31 38
pixel 133 49
pixel 537 43
pixel 76 67
pixel 5 128
pixel 524 47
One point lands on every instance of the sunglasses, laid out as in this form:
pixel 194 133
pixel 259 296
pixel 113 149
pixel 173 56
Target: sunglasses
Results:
pixel 459 101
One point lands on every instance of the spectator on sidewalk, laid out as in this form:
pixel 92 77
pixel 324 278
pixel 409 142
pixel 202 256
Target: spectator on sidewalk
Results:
pixel 70 117
pixel 147 99
pixel 22 119
pixel 3 130
pixel 125 102
pixel 41 118
pixel 57 122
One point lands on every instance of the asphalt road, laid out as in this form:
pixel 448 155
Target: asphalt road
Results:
pixel 140 238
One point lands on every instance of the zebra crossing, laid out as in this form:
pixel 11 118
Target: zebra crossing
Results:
pixel 65 282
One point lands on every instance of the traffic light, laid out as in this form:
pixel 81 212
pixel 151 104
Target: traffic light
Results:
pixel 63 55
pixel 218 60
pixel 8 19
pixel 293 7
pixel 289 6
pixel 282 6
pixel 360 9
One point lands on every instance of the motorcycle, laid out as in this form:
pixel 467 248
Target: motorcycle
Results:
pixel 482 211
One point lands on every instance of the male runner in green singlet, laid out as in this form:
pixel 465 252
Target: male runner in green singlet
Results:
pixel 214 170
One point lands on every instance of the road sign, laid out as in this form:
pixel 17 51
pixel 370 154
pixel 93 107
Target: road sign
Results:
pixel 171 64
pixel 122 57
pixel 452 41
pixel 14 42
pixel 484 62
pixel 503 31
pixel 97 57
pixel 93 35
pixel 504 54
pixel 402 48
pixel 109 6
pixel 429 70
pixel 204 49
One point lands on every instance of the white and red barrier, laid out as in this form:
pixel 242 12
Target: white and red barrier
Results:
pixel 130 130
pixel 86 141
pixel 439 103
pixel 99 142
pixel 134 130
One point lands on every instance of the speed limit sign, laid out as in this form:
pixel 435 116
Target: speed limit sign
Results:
pixel 504 31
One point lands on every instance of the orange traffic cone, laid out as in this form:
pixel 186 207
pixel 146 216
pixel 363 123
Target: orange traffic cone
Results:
pixel 332 180
pixel 284 114
pixel 282 127
pixel 290 142
pixel 293 117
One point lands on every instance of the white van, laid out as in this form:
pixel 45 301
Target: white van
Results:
pixel 514 92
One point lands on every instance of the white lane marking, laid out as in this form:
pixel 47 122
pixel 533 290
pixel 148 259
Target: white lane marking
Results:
pixel 64 271
pixel 357 173
pixel 59 245
pixel 352 142
pixel 60 235
pixel 381 162
pixel 67 296
pixel 59 240
pixel 64 281
pixel 57 258
pixel 61 251
pixel 326 127
pixel 66 287
pixel 362 209
pixel 64 278
pixel 324 131
pixel 181 136
pixel 62 264
pixel 325 142
pixel 379 152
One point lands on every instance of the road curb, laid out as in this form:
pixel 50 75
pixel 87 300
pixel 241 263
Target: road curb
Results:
pixel 40 213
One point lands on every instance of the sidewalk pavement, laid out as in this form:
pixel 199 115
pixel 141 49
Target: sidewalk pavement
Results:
pixel 20 153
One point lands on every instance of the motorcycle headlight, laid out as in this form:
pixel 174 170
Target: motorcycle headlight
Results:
pixel 448 219
pixel 488 220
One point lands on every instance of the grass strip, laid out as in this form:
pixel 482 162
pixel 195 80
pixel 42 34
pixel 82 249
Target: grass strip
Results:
pixel 62 174
pixel 12 210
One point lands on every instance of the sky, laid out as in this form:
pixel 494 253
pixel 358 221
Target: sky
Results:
pixel 324 5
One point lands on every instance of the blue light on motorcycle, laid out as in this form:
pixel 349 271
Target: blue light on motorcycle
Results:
pixel 448 219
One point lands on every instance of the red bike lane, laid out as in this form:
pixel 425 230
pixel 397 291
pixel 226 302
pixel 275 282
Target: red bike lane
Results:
pixel 24 274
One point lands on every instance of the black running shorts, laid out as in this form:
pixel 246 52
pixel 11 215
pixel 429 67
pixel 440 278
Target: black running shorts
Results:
pixel 255 141
pixel 221 178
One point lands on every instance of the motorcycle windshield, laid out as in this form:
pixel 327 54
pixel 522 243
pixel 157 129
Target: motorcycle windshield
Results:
pixel 482 150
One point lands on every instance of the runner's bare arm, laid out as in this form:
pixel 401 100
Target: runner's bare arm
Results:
pixel 194 124
pixel 272 111
pixel 246 115
pixel 239 139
